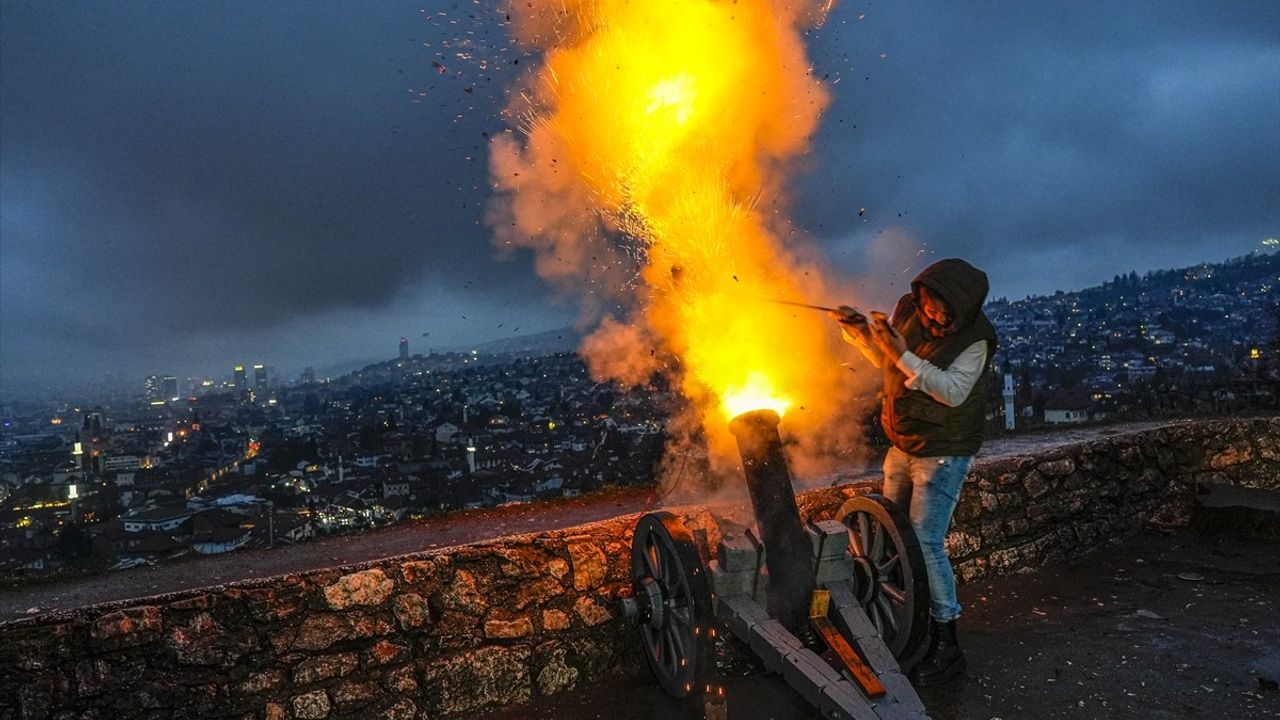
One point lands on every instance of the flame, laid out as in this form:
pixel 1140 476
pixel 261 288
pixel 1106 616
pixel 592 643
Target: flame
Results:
pixel 678 118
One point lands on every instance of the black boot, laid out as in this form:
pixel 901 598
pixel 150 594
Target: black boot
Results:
pixel 944 659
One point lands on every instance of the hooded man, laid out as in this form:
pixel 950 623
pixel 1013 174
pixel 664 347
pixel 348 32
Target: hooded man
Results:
pixel 934 351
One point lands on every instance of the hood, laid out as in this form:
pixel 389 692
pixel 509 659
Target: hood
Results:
pixel 963 287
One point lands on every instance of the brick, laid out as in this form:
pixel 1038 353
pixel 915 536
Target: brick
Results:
pixel 808 675
pixel 737 553
pixel 730 583
pixel 900 689
pixel 843 701
pixel 832 569
pixel 830 538
pixel 772 643
pixel 897 711
pixel 877 655
pixel 848 616
pixel 739 614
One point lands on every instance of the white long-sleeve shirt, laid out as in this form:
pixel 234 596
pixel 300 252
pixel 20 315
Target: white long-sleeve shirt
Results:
pixel 949 387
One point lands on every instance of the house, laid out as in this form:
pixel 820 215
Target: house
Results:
pixel 1066 408
pixel 161 519
pixel 221 540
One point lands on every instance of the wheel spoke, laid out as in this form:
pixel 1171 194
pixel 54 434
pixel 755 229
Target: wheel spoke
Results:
pixel 681 615
pixel 650 561
pixel 882 603
pixel 877 543
pixel 864 527
pixel 894 592
pixel 888 565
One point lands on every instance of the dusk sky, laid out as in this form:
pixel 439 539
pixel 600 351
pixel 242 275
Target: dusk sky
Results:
pixel 187 185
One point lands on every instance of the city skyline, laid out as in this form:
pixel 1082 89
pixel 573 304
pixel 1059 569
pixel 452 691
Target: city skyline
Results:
pixel 310 185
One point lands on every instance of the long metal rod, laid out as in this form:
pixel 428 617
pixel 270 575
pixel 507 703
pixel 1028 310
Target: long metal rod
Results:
pixel 820 308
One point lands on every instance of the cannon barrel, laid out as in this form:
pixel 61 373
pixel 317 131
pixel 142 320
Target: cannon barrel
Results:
pixel 788 549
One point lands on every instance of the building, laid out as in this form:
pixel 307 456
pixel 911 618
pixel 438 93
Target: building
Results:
pixel 404 348
pixel 1066 408
pixel 242 380
pixel 260 377
pixel 169 387
pixel 153 388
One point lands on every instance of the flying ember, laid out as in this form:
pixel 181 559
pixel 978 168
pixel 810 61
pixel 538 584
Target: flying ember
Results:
pixel 671 124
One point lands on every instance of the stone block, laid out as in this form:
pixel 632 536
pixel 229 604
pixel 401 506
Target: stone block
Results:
pixel 726 584
pixel 771 642
pixel 323 667
pixel 833 569
pixel 508 629
pixel 386 652
pixel 877 654
pixel 591 612
pixel 897 711
pixel 463 595
pixel 367 587
pixel 126 628
pixel 554 620
pixel 739 614
pixel 898 687
pixel 808 674
pixel 1036 484
pixel 311 706
pixel 1056 468
pixel 847 615
pixel 411 611
pixel 844 701
pixel 737 553
pixel 479 678
pixel 830 538
pixel 589 565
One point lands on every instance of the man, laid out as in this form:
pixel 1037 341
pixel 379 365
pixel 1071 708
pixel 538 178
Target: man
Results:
pixel 934 352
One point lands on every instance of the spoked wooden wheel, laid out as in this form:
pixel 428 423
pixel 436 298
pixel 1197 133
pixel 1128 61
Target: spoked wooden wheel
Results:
pixel 671 603
pixel 890 580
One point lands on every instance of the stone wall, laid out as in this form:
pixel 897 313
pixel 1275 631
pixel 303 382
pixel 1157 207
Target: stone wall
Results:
pixel 497 623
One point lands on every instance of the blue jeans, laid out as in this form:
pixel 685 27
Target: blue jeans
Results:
pixel 927 489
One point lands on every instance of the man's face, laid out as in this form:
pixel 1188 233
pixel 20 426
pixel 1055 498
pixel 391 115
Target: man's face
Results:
pixel 936 313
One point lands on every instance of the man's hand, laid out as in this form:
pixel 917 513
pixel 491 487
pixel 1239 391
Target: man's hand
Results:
pixel 853 325
pixel 889 340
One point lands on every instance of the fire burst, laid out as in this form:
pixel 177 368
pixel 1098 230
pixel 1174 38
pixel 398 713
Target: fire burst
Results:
pixel 673 122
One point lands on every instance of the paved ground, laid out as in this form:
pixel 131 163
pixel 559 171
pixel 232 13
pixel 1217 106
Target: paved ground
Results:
pixel 1118 635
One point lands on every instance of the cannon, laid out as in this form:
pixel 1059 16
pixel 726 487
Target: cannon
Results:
pixel 836 607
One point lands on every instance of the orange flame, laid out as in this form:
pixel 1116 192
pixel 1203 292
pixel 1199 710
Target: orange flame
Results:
pixel 677 118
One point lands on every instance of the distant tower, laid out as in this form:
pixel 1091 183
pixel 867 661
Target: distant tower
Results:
pixel 404 348
pixel 169 387
pixel 308 375
pixel 1008 401
pixel 242 380
pixel 152 387
pixel 260 377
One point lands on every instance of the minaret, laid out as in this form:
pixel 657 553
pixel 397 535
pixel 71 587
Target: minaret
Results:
pixel 1008 401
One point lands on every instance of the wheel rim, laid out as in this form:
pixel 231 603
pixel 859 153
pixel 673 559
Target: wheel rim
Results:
pixel 670 584
pixel 890 580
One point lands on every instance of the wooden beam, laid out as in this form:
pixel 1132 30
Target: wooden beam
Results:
pixel 861 673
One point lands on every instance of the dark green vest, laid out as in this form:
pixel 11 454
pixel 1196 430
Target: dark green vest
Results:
pixel 916 423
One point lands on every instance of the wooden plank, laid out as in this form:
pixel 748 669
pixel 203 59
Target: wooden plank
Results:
pixel 862 673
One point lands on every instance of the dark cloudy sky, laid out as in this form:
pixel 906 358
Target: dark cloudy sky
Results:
pixel 185 185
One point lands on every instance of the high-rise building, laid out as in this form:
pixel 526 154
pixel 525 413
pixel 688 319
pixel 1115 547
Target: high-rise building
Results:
pixel 242 380
pixel 260 377
pixel 308 375
pixel 169 386
pixel 152 387
pixel 404 348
